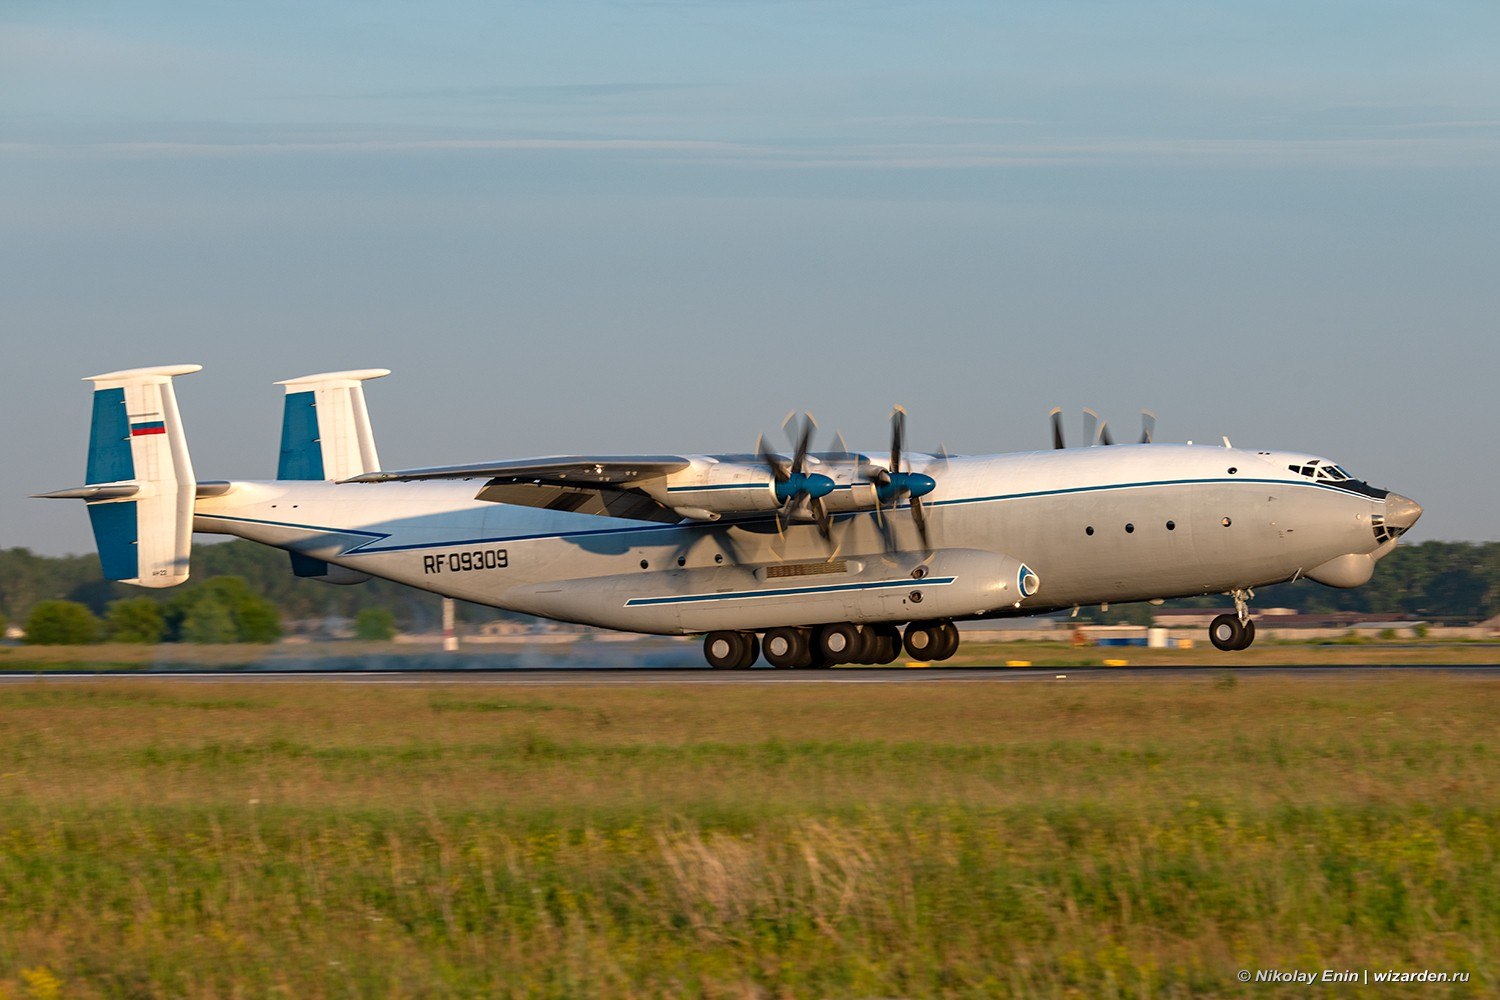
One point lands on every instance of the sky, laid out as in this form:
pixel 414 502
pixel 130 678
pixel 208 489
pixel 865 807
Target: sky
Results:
pixel 654 227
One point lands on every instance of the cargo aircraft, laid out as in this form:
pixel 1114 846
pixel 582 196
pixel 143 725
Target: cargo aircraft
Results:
pixel 811 559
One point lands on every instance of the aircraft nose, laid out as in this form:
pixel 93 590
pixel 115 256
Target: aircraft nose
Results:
pixel 1401 512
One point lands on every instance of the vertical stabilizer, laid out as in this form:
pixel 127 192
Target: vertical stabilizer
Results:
pixel 143 516
pixel 325 428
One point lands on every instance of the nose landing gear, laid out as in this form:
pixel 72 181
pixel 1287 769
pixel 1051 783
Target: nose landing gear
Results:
pixel 1236 631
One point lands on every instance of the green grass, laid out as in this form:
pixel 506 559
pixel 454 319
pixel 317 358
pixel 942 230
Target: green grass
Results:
pixel 954 839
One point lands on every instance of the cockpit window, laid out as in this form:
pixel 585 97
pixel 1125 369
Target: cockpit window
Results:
pixel 1322 471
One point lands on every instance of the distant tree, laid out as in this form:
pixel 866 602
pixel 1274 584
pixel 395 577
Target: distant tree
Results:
pixel 375 625
pixel 223 609
pixel 135 619
pixel 61 623
pixel 207 620
pixel 4 623
pixel 256 620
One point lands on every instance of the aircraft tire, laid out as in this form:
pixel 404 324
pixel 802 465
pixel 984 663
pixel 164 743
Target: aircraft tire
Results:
pixel 785 647
pixel 750 653
pixel 923 641
pixel 839 643
pixel 1226 633
pixel 724 649
pixel 888 638
pixel 1249 634
pixel 948 636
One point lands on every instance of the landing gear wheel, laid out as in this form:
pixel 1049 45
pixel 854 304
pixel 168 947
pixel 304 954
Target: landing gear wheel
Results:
pixel 1226 633
pixel 947 641
pixel 888 643
pixel 924 641
pixel 786 647
pixel 869 646
pixel 1249 634
pixel 731 650
pixel 840 642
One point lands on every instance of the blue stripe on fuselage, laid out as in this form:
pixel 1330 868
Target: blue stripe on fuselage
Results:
pixel 638 602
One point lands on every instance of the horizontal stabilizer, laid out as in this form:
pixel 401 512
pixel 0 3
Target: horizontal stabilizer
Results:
pixel 109 491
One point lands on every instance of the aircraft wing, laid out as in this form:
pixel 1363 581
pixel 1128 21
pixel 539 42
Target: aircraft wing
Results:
pixel 573 470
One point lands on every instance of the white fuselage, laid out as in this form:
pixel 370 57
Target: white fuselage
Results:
pixel 1094 525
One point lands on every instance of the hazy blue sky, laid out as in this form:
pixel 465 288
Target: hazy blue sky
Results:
pixel 659 226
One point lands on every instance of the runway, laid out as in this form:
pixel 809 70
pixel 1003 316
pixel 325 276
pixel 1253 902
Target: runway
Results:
pixel 616 677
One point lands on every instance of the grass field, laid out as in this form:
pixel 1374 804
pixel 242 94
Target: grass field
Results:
pixel 951 839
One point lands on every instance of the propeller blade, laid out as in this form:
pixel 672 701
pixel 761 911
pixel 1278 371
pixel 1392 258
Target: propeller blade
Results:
pixel 825 522
pixel 920 517
pixel 799 460
pixel 1148 426
pixel 1090 426
pixel 1057 431
pixel 898 436
pixel 774 462
pixel 1104 435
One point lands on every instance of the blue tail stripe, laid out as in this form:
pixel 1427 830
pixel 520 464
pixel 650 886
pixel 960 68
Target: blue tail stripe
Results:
pixel 301 452
pixel 109 439
pixel 117 535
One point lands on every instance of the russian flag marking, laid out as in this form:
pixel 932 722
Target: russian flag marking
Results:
pixel 148 427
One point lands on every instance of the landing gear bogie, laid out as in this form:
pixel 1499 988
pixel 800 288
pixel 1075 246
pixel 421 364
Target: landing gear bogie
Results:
pixel 731 650
pixel 931 642
pixel 831 645
pixel 840 642
pixel 788 647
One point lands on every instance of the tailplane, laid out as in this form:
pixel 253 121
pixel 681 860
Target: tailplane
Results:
pixel 139 480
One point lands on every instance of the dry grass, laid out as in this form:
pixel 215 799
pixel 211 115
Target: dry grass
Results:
pixel 119 656
pixel 1113 839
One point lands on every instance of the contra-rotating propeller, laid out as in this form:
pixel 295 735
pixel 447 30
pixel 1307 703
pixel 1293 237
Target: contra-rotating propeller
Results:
pixel 801 492
pixel 1096 431
pixel 896 482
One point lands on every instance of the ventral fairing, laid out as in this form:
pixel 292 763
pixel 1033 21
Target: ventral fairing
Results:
pixel 810 558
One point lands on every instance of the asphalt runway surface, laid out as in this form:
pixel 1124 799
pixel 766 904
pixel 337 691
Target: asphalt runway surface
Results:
pixel 620 677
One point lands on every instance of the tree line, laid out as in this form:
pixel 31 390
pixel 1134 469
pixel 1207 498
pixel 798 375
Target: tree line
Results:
pixel 243 592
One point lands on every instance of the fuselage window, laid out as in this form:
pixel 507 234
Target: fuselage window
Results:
pixel 1171 525
pixel 1089 530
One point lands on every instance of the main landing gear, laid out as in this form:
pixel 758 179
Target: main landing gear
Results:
pixel 1236 631
pixel 828 645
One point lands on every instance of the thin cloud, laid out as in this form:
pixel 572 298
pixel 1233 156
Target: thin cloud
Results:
pixel 1388 151
pixel 562 92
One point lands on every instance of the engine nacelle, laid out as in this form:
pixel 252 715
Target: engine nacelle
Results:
pixel 709 489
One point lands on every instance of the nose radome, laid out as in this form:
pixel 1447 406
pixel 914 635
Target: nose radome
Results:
pixel 1401 512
